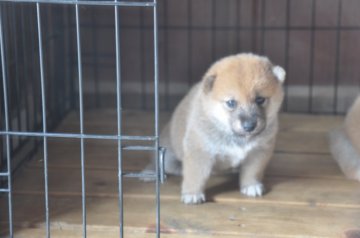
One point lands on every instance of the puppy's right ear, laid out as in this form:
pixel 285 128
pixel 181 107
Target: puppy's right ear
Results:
pixel 279 73
pixel 209 83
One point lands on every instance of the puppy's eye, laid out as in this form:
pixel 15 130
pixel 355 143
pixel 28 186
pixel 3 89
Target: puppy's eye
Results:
pixel 231 104
pixel 260 100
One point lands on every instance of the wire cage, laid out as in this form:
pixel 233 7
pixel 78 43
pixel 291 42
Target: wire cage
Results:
pixel 312 40
pixel 61 56
pixel 42 80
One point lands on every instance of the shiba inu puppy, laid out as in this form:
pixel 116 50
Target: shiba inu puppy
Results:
pixel 229 118
pixel 345 143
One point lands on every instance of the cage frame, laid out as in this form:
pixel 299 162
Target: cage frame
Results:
pixel 158 174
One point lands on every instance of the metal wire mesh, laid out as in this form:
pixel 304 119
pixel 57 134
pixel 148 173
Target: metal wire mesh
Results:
pixel 41 129
pixel 315 41
pixel 311 39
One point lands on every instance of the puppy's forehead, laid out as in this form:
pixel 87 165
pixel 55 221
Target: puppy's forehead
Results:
pixel 243 77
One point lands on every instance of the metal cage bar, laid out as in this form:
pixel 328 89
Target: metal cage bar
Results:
pixel 312 55
pixel 230 28
pixel 166 54
pixel 337 58
pixel 190 45
pixel 89 2
pixel 16 86
pixel 119 120
pixel 43 103
pixel 95 60
pixel 156 125
pixel 26 69
pixel 287 53
pixel 213 30
pixel 263 15
pixel 238 21
pixel 81 109
pixel 143 61
pixel 78 136
pixel 7 137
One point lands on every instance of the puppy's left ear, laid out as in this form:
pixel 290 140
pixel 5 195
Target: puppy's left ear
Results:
pixel 279 73
pixel 209 83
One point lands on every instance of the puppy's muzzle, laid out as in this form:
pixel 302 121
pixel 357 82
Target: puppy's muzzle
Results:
pixel 249 125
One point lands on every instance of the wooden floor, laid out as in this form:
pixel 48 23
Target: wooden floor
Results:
pixel 307 194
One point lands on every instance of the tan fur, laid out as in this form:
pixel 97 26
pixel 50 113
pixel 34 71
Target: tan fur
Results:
pixel 345 143
pixel 200 138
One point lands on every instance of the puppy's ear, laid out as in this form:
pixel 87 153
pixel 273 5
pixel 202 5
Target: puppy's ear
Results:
pixel 279 73
pixel 209 82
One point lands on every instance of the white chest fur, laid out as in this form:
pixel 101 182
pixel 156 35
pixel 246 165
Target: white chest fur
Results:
pixel 228 154
pixel 231 155
pixel 221 145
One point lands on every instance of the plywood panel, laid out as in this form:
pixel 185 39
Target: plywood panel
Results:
pixel 232 219
pixel 307 195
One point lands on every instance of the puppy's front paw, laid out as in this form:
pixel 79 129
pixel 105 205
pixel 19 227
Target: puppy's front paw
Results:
pixel 193 198
pixel 254 190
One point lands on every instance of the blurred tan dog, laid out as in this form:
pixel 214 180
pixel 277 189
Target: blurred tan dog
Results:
pixel 345 143
pixel 227 119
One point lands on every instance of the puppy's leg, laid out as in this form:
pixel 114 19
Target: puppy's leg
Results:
pixel 171 163
pixel 196 170
pixel 252 172
pixel 345 154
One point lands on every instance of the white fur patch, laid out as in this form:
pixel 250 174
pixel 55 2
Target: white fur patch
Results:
pixel 357 175
pixel 193 198
pixel 236 154
pixel 254 190
pixel 279 73
pixel 221 115
pixel 227 153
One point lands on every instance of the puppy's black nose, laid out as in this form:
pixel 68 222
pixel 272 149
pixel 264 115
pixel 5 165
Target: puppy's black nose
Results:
pixel 248 125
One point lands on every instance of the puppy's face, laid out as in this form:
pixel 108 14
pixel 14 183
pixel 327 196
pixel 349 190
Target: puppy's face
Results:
pixel 243 93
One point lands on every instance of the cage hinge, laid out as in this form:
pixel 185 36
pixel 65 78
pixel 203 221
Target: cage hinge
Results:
pixel 162 174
